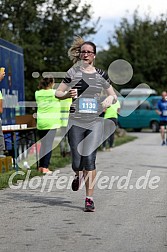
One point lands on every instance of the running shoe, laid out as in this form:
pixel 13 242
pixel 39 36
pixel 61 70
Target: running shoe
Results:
pixel 89 205
pixel 45 171
pixel 75 183
pixel 163 143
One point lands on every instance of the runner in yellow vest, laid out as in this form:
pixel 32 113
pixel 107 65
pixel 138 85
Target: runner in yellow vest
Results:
pixel 111 113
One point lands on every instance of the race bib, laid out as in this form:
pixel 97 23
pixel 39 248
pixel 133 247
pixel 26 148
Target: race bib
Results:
pixel 164 113
pixel 88 105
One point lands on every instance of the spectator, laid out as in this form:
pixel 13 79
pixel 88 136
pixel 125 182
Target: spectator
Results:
pixel 2 75
pixel 48 120
pixel 64 145
pixel 2 142
pixel 111 113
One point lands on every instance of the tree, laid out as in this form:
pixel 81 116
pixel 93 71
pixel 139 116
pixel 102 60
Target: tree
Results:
pixel 45 30
pixel 142 43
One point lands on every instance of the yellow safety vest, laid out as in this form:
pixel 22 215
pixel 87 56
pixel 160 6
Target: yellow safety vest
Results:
pixel 65 108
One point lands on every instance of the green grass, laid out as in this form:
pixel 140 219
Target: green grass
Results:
pixel 57 161
pixel 123 140
pixel 4 177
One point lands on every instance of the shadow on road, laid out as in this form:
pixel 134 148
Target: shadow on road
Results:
pixel 51 201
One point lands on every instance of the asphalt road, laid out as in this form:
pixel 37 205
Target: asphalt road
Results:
pixel 130 199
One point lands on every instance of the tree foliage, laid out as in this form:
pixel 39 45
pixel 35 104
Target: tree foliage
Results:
pixel 142 43
pixel 45 30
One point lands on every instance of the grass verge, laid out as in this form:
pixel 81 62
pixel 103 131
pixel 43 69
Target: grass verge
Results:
pixel 57 161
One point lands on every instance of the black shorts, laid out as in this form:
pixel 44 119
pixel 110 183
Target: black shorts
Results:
pixel 163 123
pixel 84 147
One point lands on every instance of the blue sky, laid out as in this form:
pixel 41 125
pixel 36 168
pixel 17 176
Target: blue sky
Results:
pixel 105 31
pixel 111 12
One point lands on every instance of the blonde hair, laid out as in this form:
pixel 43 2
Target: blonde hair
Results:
pixel 74 51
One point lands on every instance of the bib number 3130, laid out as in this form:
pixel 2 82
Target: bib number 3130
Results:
pixel 88 105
